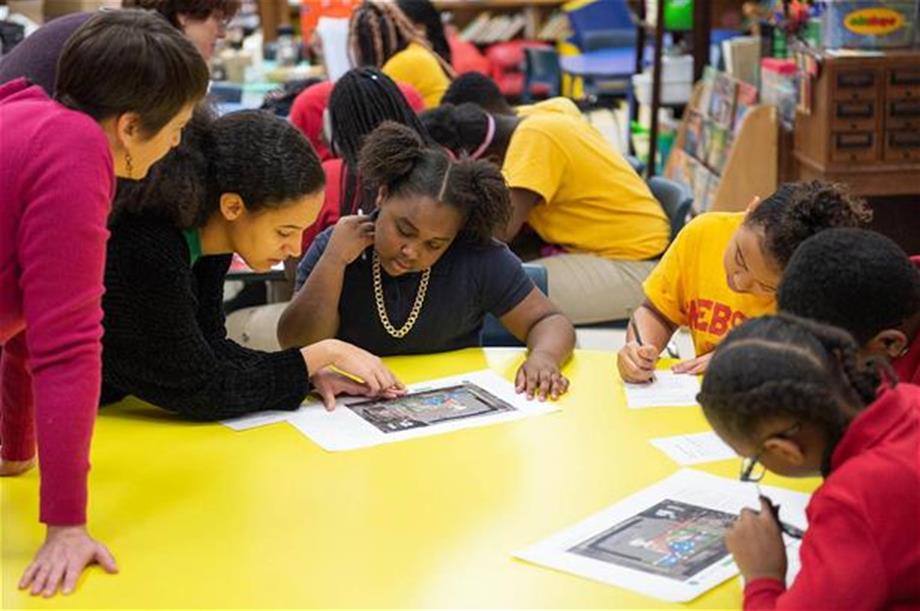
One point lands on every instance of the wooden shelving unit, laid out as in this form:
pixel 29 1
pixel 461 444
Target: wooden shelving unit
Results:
pixel 864 125
pixel 536 12
pixel 751 166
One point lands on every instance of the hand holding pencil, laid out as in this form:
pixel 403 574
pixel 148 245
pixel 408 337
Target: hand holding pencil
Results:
pixel 636 360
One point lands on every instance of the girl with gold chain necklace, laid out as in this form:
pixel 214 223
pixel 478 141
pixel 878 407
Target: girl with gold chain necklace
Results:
pixel 420 273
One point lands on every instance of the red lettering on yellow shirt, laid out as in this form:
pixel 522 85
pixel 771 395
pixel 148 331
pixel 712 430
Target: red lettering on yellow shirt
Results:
pixel 713 317
pixel 721 314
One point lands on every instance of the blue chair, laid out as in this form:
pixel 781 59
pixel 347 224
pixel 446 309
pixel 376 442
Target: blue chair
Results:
pixel 493 333
pixel 600 24
pixel 541 67
pixel 636 164
pixel 674 198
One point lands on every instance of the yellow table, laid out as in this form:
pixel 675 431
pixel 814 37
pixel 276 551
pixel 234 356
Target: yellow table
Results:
pixel 200 516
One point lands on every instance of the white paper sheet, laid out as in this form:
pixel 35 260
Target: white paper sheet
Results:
pixel 694 449
pixel 334 34
pixel 244 423
pixel 421 416
pixel 683 553
pixel 668 390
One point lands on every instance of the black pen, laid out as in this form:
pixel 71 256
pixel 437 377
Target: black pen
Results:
pixel 793 531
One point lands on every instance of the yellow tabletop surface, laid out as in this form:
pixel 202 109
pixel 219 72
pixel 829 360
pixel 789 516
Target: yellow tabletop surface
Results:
pixel 198 515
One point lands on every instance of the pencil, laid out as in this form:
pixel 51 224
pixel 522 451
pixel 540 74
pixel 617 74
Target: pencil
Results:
pixel 635 328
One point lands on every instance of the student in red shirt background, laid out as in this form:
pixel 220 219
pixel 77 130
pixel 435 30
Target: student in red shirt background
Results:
pixel 862 282
pixel 311 103
pixel 361 100
pixel 789 394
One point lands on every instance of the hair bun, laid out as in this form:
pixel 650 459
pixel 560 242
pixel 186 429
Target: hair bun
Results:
pixel 389 153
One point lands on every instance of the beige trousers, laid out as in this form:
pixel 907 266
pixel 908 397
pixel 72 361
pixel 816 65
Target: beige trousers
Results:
pixel 590 289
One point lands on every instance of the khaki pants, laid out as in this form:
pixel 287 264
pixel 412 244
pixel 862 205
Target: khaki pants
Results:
pixel 256 327
pixel 590 289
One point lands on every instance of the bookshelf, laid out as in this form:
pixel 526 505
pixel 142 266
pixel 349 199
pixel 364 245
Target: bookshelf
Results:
pixel 509 18
pixel 746 166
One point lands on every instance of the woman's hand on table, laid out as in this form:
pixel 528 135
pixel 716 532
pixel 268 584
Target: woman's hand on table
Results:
pixel 353 362
pixel 540 377
pixel 329 383
pixel 57 565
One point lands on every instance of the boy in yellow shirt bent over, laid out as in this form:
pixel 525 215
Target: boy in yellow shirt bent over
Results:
pixel 724 267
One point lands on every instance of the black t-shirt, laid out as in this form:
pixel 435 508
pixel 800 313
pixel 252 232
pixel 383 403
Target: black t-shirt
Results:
pixel 467 282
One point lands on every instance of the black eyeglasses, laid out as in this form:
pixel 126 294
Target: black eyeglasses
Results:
pixel 753 471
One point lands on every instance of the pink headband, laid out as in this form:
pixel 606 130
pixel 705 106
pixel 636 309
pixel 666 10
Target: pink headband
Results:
pixel 490 134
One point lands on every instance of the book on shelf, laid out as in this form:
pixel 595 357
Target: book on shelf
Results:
pixel 742 58
pixel 722 99
pixel 709 79
pixel 487 28
pixel 556 28
pixel 704 186
pixel 720 141
pixel 746 99
pixel 677 169
pixel 693 135
pixel 475 28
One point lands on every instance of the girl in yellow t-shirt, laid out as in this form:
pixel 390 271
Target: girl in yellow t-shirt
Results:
pixel 380 35
pixel 723 268
pixel 575 192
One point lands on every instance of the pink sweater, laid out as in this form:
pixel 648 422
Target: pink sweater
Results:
pixel 57 180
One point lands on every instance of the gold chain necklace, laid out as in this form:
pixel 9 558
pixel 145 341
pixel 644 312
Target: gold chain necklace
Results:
pixel 382 308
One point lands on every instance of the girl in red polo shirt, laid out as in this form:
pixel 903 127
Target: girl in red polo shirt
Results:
pixel 789 394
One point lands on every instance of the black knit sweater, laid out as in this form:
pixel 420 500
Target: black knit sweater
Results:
pixel 165 340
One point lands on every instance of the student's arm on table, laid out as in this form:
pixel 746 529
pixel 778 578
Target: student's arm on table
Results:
pixel 313 313
pixel 550 339
pixel 636 361
pixel 522 201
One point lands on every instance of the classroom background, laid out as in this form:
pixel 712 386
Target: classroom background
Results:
pixel 712 103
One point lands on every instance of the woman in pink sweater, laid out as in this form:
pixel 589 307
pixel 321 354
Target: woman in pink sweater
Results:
pixel 127 84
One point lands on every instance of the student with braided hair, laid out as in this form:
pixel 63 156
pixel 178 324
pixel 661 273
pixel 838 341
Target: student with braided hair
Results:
pixel 724 267
pixel 380 35
pixel 420 274
pixel 427 20
pixel 360 101
pixel 790 395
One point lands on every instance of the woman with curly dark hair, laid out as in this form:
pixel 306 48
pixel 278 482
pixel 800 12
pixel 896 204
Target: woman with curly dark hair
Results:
pixel 204 22
pixel 36 58
pixel 420 275
pixel 248 183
